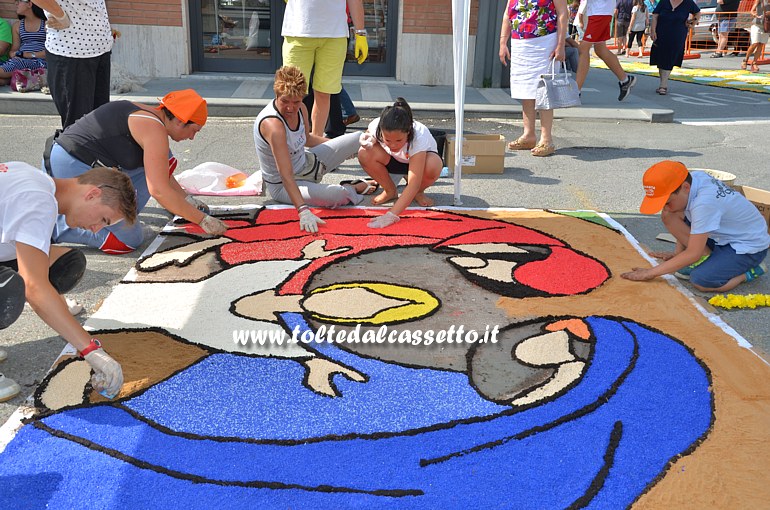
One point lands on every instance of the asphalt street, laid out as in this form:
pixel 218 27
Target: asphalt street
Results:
pixel 598 166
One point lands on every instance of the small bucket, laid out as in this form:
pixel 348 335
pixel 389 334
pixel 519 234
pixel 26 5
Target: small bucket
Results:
pixel 725 177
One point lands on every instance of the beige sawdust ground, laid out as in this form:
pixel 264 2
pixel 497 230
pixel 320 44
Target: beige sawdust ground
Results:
pixel 730 468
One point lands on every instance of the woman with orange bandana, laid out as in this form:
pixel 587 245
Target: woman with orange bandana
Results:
pixel 134 138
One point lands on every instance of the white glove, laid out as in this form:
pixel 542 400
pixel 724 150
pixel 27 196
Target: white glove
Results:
pixel 383 221
pixel 202 207
pixel 58 23
pixel 309 222
pixel 366 140
pixel 108 376
pixel 213 226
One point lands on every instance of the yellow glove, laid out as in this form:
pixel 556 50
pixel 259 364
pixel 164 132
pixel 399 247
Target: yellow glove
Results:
pixel 362 48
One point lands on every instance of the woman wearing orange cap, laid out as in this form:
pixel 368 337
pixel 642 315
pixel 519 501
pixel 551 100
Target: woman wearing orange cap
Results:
pixel 134 138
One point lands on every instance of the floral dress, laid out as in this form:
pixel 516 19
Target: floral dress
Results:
pixel 531 18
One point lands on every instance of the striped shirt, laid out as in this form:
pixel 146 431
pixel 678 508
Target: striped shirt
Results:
pixel 32 41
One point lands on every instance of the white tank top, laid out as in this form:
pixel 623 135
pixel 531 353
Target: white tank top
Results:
pixel 296 140
pixel 315 18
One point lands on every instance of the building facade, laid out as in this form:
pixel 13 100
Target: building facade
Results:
pixel 409 40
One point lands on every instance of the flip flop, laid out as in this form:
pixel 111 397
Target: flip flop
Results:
pixel 543 149
pixel 371 185
pixel 520 145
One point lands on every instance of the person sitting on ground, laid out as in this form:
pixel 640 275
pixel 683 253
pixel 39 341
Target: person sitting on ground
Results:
pixel 294 161
pixel 6 40
pixel 721 238
pixel 571 54
pixel 759 37
pixel 393 147
pixel 28 48
pixel 32 269
pixel 133 137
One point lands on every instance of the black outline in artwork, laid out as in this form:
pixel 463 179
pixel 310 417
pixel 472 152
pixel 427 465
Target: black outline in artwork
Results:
pixel 546 320
pixel 609 459
pixel 37 395
pixel 585 410
pixel 564 419
pixel 176 263
pixel 256 484
pixel 359 321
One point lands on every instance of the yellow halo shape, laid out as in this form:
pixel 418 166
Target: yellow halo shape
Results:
pixel 401 303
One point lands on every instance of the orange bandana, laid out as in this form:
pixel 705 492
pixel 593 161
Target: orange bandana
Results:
pixel 186 105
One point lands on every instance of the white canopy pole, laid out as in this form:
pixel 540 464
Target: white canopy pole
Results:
pixel 461 13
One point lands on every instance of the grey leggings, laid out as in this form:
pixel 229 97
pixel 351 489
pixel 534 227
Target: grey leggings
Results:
pixel 330 155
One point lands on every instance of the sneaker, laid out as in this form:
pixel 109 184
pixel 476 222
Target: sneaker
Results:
pixel 756 272
pixel 684 273
pixel 8 388
pixel 625 87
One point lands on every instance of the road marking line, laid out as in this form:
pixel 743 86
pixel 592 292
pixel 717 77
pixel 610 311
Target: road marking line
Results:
pixel 723 122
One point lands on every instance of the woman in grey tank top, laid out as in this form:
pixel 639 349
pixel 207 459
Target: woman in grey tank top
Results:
pixel 293 160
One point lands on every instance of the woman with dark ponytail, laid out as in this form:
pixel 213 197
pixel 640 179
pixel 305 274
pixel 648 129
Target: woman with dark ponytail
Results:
pixel 395 146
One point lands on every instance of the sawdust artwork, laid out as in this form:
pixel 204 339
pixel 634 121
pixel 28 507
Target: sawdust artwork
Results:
pixel 273 369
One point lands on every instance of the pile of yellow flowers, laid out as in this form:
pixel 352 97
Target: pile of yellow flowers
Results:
pixel 738 301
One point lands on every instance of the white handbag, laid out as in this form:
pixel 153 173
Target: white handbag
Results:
pixel 556 90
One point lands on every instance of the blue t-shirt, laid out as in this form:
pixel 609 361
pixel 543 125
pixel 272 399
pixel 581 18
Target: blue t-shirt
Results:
pixel 725 215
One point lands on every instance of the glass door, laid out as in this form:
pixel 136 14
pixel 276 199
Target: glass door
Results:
pixel 244 36
pixel 381 20
pixel 237 36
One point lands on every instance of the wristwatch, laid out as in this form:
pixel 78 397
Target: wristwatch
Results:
pixel 92 346
pixel 361 32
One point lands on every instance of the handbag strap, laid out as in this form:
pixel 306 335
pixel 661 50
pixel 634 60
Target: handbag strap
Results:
pixel 562 68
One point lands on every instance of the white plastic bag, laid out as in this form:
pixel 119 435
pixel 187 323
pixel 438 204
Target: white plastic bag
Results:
pixel 210 178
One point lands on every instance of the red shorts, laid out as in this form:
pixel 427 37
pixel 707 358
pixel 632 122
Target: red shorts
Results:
pixel 597 29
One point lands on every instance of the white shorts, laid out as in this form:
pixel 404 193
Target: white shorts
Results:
pixel 758 36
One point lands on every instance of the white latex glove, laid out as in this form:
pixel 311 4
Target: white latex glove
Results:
pixel 58 23
pixel 202 207
pixel 213 226
pixel 366 140
pixel 108 376
pixel 309 222
pixel 383 221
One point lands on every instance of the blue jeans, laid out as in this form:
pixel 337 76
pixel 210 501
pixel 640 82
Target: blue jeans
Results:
pixel 348 108
pixel 723 265
pixel 63 165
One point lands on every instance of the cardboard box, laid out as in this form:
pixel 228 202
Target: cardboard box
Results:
pixel 482 154
pixel 759 198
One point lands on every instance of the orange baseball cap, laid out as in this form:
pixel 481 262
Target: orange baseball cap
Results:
pixel 186 105
pixel 659 181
